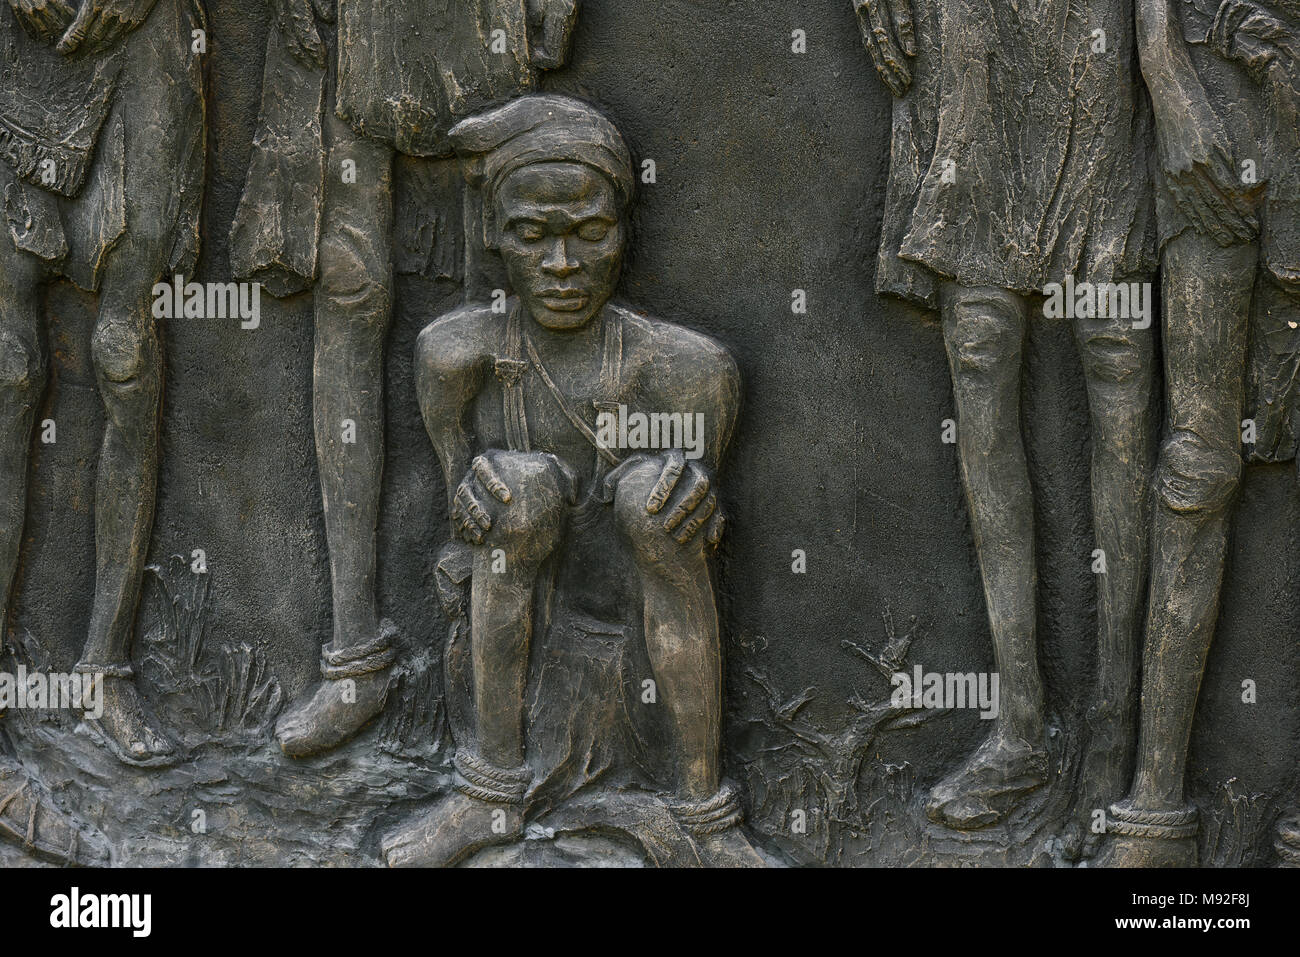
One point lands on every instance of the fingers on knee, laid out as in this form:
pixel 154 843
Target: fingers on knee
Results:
pixel 1194 476
pixel 533 521
pixel 643 531
pixel 22 363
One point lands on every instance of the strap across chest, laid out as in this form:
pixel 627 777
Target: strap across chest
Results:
pixel 520 354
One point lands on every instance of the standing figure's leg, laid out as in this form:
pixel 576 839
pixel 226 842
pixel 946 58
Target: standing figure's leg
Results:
pixel 27 816
pixel 23 374
pixel 486 806
pixel 161 109
pixel 1119 368
pixel 1207 292
pixel 128 363
pixel 984 332
pixel 353 309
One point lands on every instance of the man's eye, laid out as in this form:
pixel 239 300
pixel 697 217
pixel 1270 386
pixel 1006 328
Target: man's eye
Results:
pixel 529 233
pixel 593 232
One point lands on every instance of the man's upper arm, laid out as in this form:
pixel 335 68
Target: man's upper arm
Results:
pixel 449 374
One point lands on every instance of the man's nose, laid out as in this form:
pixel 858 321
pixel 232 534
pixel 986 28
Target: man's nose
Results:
pixel 557 261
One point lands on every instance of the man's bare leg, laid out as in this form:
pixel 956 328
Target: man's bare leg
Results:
pixel 682 638
pixel 487 806
pixel 353 311
pixel 1206 302
pixel 28 818
pixel 23 374
pixel 127 356
pixel 1281 305
pixel 1119 368
pixel 984 332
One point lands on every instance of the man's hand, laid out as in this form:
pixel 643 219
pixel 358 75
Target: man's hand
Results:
pixel 683 495
pixel 552 23
pixel 102 23
pixel 889 34
pixel 297 22
pixel 44 19
pixel 1263 44
pixel 472 506
pixel 1197 160
pixel 480 497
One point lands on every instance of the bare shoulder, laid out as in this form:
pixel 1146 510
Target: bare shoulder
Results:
pixel 679 354
pixel 460 339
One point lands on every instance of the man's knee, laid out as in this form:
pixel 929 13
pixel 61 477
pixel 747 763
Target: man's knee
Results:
pixel 127 360
pixel 1115 357
pixel 651 542
pixel 530 525
pixel 1194 476
pixel 22 363
pixel 984 332
pixel 355 274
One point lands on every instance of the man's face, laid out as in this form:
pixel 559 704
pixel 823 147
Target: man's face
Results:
pixel 561 237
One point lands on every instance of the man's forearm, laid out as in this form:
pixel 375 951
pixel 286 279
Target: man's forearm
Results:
pixel 1166 65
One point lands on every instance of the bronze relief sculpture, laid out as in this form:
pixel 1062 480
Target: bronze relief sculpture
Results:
pixel 994 195
pixel 513 409
pixel 1222 85
pixel 613 625
pixel 395 79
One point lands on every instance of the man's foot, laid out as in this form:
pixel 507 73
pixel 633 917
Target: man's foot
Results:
pixel 30 820
pixel 128 727
pixel 332 713
pixel 1125 851
pixel 1102 778
pixel 1137 837
pixel 713 824
pixel 452 830
pixel 989 785
pixel 1287 842
pixel 729 848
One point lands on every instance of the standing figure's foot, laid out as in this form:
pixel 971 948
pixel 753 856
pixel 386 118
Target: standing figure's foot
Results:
pixel 127 726
pixel 354 691
pixel 989 785
pixel 29 819
pixel 452 830
pixel 332 713
pixel 1136 837
pixel 714 826
pixel 1103 777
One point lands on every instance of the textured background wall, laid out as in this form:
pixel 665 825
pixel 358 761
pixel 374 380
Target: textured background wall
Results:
pixel 771 169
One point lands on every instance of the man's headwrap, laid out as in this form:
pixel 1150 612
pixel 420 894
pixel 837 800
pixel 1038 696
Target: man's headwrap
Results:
pixel 541 128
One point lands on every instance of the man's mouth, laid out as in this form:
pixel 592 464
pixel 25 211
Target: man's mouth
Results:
pixel 563 300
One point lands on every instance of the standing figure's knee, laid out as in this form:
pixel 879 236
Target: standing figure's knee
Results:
pixel 983 332
pixel 647 533
pixel 1116 357
pixel 530 525
pixel 22 364
pixel 1195 476
pixel 128 362
pixel 355 275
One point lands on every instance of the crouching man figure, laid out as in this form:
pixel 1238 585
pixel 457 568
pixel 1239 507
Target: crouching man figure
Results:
pixel 511 398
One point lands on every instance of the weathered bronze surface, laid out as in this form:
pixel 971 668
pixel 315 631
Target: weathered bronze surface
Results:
pixel 524 432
